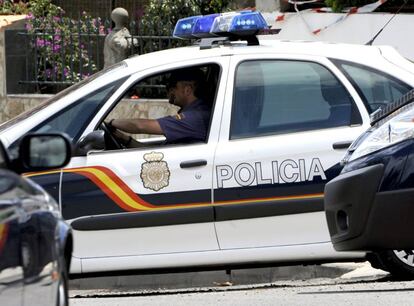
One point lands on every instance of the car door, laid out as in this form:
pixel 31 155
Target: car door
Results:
pixel 144 201
pixel 289 122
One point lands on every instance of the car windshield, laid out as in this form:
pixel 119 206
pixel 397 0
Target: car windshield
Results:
pixel 384 112
pixel 112 69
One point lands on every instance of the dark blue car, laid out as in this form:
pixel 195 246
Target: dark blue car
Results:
pixel 35 242
pixel 370 205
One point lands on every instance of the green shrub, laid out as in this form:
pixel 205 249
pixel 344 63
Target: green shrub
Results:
pixel 161 16
pixel 10 7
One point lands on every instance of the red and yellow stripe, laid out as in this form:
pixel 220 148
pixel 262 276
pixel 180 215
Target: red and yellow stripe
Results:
pixel 127 199
pixel 4 230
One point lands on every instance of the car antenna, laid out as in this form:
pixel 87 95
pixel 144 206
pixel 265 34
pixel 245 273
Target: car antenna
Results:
pixel 379 32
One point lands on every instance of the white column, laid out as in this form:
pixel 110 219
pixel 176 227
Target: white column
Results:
pixel 268 5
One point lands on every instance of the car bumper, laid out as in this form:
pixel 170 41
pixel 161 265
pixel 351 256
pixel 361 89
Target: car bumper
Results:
pixel 362 218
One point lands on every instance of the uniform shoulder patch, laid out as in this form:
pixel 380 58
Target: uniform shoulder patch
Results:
pixel 155 174
pixel 179 116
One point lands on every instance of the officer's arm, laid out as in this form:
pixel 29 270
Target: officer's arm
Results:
pixel 135 126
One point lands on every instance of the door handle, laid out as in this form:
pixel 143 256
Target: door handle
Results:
pixel 193 163
pixel 342 145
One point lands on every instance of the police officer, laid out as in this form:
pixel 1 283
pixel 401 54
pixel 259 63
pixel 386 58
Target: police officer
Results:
pixel 189 125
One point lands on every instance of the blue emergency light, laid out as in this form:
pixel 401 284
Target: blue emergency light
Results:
pixel 203 25
pixel 243 23
pixel 233 24
pixel 184 27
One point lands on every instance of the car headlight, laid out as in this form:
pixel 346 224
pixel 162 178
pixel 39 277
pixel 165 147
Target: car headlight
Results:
pixel 395 128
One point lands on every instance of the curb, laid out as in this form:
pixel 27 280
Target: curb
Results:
pixel 215 278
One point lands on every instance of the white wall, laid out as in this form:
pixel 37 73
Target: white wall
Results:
pixel 356 28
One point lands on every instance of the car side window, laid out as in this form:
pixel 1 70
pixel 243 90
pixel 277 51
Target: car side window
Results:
pixel 282 96
pixel 149 98
pixel 376 88
pixel 64 121
pixel 83 110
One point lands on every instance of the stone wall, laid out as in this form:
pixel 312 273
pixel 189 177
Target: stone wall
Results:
pixel 13 105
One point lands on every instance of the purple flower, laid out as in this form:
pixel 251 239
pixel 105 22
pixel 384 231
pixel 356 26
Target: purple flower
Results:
pixel 28 26
pixel 48 73
pixel 56 48
pixel 56 18
pixel 40 42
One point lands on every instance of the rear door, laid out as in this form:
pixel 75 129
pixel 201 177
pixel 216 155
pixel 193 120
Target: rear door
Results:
pixel 289 123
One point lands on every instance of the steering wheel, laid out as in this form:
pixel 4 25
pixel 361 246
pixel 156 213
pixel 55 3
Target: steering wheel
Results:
pixel 111 142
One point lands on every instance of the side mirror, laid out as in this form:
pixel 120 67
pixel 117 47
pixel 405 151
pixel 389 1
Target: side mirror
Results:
pixel 39 152
pixel 94 141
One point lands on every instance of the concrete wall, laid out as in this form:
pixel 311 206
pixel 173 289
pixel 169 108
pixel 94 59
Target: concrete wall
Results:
pixel 354 29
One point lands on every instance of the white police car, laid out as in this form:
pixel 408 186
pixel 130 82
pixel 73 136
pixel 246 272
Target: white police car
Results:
pixel 283 115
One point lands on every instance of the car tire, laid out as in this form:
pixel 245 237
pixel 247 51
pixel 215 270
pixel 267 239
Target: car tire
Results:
pixel 400 263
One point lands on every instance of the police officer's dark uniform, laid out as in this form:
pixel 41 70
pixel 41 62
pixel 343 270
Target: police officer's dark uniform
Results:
pixel 192 121
pixel 189 125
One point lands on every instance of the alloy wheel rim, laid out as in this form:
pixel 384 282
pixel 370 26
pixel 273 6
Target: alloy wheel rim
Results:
pixel 406 256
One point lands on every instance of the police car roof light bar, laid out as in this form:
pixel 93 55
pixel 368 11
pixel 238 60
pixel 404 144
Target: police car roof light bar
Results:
pixel 234 24
pixel 244 23
pixel 209 42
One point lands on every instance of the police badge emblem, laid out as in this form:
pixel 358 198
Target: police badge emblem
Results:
pixel 154 172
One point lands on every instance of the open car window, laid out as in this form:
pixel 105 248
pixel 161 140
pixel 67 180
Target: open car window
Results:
pixel 148 99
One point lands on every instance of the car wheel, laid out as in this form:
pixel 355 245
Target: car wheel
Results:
pixel 400 263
